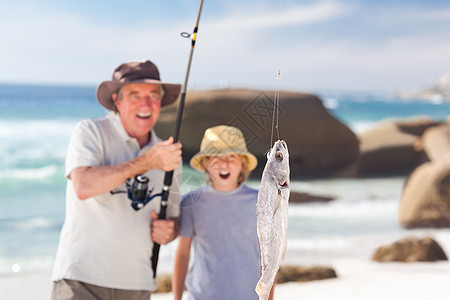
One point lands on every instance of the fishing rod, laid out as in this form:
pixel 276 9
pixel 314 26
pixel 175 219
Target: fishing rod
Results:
pixel 169 175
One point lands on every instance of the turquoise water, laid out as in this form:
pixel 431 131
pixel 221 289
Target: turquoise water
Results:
pixel 360 110
pixel 35 126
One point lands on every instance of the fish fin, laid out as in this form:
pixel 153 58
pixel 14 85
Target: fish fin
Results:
pixel 277 202
pixel 262 292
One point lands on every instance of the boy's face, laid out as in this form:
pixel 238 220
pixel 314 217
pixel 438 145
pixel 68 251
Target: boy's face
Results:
pixel 224 171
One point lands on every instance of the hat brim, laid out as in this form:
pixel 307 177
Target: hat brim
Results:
pixel 107 88
pixel 196 160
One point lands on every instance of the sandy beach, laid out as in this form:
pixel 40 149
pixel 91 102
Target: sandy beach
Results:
pixel 369 281
pixel 358 278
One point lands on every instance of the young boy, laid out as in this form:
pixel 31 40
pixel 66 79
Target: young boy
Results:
pixel 220 219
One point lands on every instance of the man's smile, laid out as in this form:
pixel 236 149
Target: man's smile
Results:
pixel 144 115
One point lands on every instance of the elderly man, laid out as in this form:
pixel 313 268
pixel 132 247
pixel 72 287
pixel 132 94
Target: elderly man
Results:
pixel 105 246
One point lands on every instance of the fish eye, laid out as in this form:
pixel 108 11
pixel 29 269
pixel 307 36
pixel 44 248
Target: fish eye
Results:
pixel 279 156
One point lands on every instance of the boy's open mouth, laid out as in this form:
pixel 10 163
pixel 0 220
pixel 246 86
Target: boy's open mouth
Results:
pixel 224 175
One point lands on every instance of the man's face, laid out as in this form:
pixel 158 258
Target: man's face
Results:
pixel 139 108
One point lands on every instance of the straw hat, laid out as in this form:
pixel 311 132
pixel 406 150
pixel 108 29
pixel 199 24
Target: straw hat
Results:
pixel 222 140
pixel 135 72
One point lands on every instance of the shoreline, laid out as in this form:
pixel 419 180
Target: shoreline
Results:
pixel 358 278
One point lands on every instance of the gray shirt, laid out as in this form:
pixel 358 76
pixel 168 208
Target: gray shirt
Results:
pixel 226 246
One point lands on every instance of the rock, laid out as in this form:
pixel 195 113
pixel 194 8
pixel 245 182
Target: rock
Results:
pixel 410 249
pixel 387 149
pixel 425 200
pixel 298 198
pixel 319 144
pixel 163 283
pixel 416 126
pixel 436 141
pixel 301 274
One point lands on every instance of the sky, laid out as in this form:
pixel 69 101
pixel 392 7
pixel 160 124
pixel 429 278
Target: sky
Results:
pixel 351 45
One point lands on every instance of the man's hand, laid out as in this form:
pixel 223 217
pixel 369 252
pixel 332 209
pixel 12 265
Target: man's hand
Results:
pixel 164 231
pixel 165 155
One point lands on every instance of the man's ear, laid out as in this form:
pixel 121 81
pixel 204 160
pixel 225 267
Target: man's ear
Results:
pixel 115 101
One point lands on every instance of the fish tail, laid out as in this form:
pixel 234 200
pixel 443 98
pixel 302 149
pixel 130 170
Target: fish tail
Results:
pixel 263 292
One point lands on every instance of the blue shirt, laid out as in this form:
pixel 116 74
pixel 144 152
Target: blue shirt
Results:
pixel 226 246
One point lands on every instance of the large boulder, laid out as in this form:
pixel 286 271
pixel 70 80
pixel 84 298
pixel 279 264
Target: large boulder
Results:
pixel 410 249
pixel 425 200
pixel 391 147
pixel 436 141
pixel 318 143
pixel 416 126
pixel 385 150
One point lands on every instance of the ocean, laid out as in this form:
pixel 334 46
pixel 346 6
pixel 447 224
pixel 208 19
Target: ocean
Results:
pixel 35 126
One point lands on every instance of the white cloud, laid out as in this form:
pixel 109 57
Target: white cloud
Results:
pixel 391 66
pixel 59 48
pixel 237 47
pixel 289 16
pixel 386 62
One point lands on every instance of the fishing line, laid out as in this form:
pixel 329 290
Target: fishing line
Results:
pixel 276 105
pixel 276 99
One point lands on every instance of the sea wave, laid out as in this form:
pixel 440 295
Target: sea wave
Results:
pixel 24 265
pixel 29 173
pixel 361 126
pixel 330 246
pixel 35 129
pixel 27 243
pixel 341 209
pixel 28 223
pixel 353 189
pixel 330 103
pixel 32 143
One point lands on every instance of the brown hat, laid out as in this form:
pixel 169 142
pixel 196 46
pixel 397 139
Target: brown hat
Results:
pixel 135 72
pixel 222 140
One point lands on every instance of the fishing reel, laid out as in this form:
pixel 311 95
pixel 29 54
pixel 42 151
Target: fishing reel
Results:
pixel 137 191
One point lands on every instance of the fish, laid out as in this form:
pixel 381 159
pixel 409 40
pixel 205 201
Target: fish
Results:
pixel 272 216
